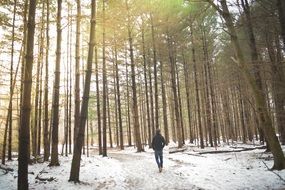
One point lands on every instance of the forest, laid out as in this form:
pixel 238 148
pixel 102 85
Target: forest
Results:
pixel 88 83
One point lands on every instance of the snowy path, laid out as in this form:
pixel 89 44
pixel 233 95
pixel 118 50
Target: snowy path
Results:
pixel 130 170
pixel 142 172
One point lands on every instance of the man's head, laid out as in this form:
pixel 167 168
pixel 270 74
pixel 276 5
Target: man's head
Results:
pixel 157 131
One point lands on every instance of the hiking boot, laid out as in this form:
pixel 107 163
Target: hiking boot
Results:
pixel 160 169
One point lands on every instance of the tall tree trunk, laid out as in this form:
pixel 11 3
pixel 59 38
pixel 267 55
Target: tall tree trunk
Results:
pixel 11 83
pixel 36 102
pixel 87 134
pixel 46 107
pixel 55 106
pixel 115 119
pixel 119 101
pixel 70 85
pixel 75 165
pixel 213 105
pixel 279 160
pixel 67 100
pixel 104 116
pixel 143 117
pixel 23 57
pixel 40 82
pixel 241 109
pixel 155 74
pixel 236 114
pixel 254 54
pixel 180 104
pixel 98 104
pixel 247 120
pixel 164 104
pixel 8 124
pixel 133 76
pixel 36 124
pixel 222 118
pixel 83 68
pixel 109 116
pixel 187 81
pixel 8 115
pixel 253 51
pixel 151 97
pixel 207 101
pixel 40 112
pixel 141 112
pixel 77 72
pixel 128 104
pixel 174 91
pixel 24 133
pixel 146 88
pixel 197 90
pixel 226 110
pixel 211 88
pixel 92 133
pixel 278 80
pixel 172 116
pixel 66 107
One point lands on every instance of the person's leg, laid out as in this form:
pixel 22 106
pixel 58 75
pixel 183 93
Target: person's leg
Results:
pixel 161 158
pixel 156 154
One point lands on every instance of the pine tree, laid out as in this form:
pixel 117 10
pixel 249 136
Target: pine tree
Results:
pixel 75 165
pixel 24 131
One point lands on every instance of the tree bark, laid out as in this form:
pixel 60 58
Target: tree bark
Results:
pixel 70 84
pixel 155 74
pixel 55 106
pixel 180 104
pixel 119 102
pixel 24 133
pixel 8 124
pixel 115 119
pixel 187 81
pixel 151 98
pixel 36 130
pixel 128 104
pixel 109 117
pixel 211 89
pixel 98 104
pixel 40 82
pixel 242 120
pixel 174 91
pixel 104 116
pixel 172 116
pixel 77 72
pixel 164 104
pixel 35 119
pixel 87 135
pixel 208 97
pixel 197 91
pixel 46 107
pixel 11 83
pixel 133 77
pixel 67 67
pixel 146 87
pixel 75 165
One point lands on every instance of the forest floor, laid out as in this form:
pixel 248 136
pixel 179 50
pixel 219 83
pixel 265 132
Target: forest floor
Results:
pixel 182 170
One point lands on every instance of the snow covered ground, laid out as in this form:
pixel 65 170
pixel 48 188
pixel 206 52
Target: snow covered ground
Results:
pixel 183 170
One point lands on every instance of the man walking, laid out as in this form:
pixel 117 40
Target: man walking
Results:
pixel 158 143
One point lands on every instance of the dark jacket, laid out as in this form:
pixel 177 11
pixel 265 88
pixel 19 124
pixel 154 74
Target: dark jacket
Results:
pixel 158 142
